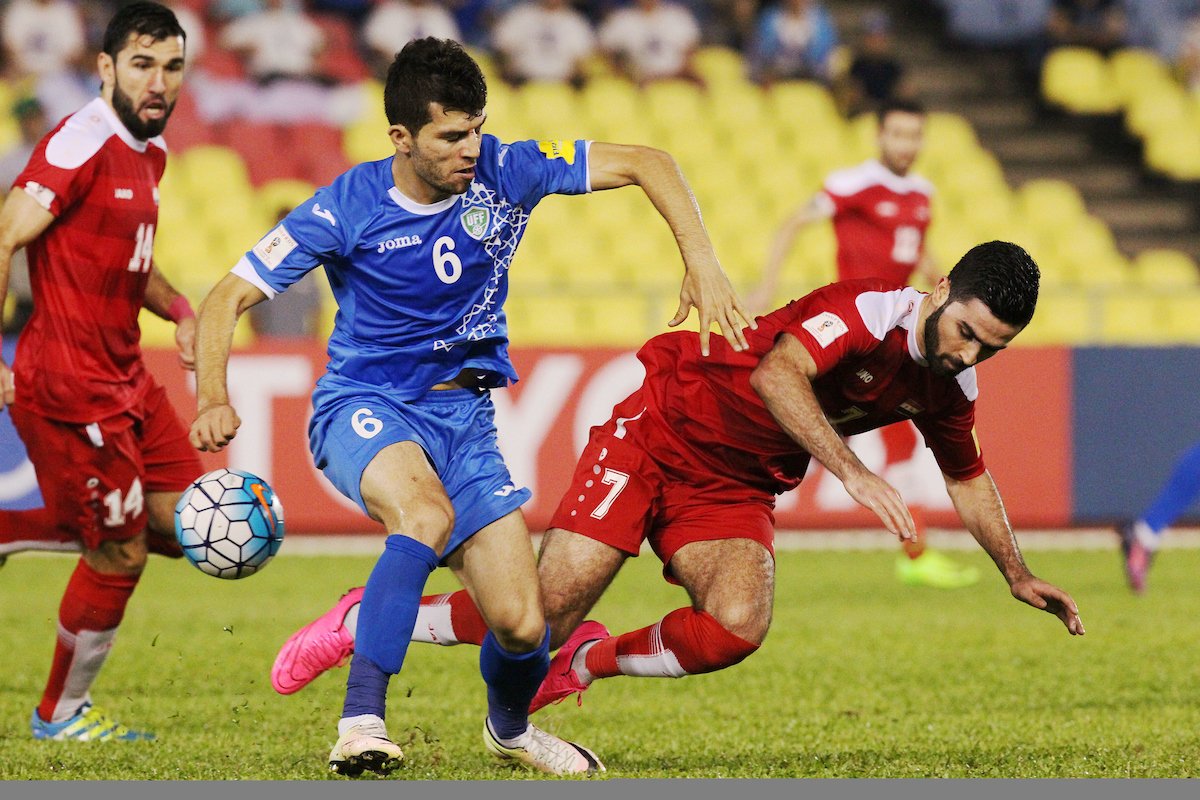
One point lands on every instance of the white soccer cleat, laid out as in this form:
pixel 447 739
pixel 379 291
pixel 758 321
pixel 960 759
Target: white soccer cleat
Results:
pixel 544 752
pixel 365 746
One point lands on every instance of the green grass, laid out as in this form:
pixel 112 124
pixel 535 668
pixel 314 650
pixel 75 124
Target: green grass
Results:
pixel 860 677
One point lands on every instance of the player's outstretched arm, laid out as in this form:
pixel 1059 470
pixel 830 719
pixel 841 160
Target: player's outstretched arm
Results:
pixel 759 299
pixel 216 421
pixel 705 284
pixel 22 219
pixel 164 301
pixel 783 379
pixel 982 512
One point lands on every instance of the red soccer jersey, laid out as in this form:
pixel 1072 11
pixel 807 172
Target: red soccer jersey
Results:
pixel 78 359
pixel 879 219
pixel 861 335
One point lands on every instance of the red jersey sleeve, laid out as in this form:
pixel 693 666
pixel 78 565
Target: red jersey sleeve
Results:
pixel 56 165
pixel 829 325
pixel 951 436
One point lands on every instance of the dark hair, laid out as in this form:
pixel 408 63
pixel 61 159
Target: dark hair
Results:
pixel 144 19
pixel 1003 276
pixel 432 71
pixel 899 106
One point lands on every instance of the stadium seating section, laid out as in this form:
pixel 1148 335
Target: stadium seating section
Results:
pixel 604 270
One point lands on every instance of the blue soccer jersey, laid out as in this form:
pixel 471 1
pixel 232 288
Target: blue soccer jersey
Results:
pixel 419 288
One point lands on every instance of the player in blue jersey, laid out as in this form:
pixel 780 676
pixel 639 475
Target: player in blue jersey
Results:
pixel 1140 538
pixel 417 249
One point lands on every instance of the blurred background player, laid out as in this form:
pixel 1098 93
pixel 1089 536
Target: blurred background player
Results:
pixel 880 212
pixel 1141 538
pixel 674 468
pixel 417 248
pixel 111 455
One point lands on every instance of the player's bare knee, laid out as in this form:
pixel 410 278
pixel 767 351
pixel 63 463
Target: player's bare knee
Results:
pixel 429 523
pixel 520 630
pixel 119 558
pixel 745 618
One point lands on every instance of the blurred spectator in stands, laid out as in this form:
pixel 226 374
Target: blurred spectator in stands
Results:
pixel 33 123
pixel 193 28
pixel 652 40
pixel 795 39
pixel 279 42
pixel 354 11
pixel 875 75
pixel 543 40
pixel 43 37
pixel 996 23
pixel 235 9
pixel 395 23
pixel 1159 25
pixel 1188 62
pixel 1098 24
pixel 45 43
pixel 286 317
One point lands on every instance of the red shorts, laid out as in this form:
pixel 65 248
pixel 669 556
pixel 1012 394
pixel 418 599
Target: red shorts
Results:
pixel 94 478
pixel 621 495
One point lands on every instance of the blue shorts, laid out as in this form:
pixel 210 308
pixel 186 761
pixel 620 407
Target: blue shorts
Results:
pixel 455 427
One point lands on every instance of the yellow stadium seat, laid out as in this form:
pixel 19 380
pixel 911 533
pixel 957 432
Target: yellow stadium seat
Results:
pixel 1134 318
pixel 674 105
pixel 549 110
pixel 1078 80
pixel 719 65
pixel 1048 205
pixel 948 137
pixel 1134 70
pixel 1061 318
pixel 621 320
pixel 283 194
pixel 798 104
pixel 1166 269
pixel 1175 152
pixel 1157 108
pixel 1183 317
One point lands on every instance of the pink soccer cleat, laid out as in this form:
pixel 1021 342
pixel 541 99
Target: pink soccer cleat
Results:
pixel 562 681
pixel 320 645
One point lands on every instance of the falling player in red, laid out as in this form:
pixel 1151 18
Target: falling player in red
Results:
pixel 110 453
pixel 880 211
pixel 691 462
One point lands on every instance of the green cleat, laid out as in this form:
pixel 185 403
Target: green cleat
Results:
pixel 934 570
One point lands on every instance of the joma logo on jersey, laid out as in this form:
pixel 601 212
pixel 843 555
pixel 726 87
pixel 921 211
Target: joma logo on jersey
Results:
pixel 865 376
pixel 475 222
pixel 398 243
pixel 123 194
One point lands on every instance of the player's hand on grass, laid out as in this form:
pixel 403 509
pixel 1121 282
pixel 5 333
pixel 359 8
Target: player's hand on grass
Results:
pixel 1049 598
pixel 214 427
pixel 185 340
pixel 8 387
pixel 874 493
pixel 707 287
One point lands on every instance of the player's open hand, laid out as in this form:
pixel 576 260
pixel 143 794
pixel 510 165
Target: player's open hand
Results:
pixel 1049 598
pixel 185 341
pixel 873 492
pixel 214 427
pixel 707 287
pixel 8 386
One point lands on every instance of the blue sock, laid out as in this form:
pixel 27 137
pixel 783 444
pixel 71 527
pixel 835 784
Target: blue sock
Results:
pixel 512 680
pixel 1180 492
pixel 385 622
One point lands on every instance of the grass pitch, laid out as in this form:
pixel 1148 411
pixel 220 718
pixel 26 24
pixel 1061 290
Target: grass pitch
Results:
pixel 860 677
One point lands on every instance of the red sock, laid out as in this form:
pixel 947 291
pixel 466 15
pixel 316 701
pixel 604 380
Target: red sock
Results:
pixel 92 607
pixel 684 642
pixel 462 625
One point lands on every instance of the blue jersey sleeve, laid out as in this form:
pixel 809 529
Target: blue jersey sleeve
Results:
pixel 530 170
pixel 312 234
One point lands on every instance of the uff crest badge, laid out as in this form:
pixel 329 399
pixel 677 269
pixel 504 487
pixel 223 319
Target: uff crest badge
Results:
pixel 475 221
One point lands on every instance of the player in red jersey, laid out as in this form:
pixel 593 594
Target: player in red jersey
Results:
pixel 880 211
pixel 692 460
pixel 110 453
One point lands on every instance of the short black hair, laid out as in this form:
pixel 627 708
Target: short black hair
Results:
pixel 428 71
pixel 143 19
pixel 900 106
pixel 1003 276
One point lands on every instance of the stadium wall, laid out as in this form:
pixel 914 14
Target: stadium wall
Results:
pixel 1071 436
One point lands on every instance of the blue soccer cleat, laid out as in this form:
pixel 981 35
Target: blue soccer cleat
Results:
pixel 89 724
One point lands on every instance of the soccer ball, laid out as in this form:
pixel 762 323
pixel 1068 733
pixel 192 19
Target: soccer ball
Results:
pixel 229 523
